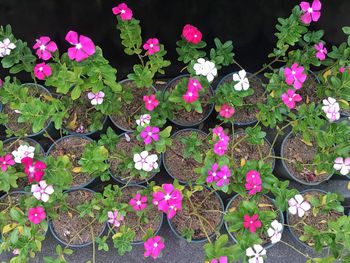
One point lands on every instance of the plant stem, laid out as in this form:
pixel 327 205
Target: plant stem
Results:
pixel 297 250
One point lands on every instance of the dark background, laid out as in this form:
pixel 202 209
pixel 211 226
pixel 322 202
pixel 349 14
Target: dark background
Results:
pixel 250 24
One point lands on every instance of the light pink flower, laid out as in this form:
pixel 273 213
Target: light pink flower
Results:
pixel 290 98
pixel 42 70
pixel 321 51
pixel 15 251
pixel 297 205
pixel 36 214
pixel 342 165
pixel 331 108
pixel 295 75
pixel 222 259
pixel 83 46
pixel 253 182
pixel 124 11
pixel 191 34
pixel 220 148
pixel 213 174
pixel 275 231
pixel 34 171
pixel 45 47
pixel 42 191
pixel 139 202
pixel 6 161
pixel 153 247
pixel 311 13
pixel 114 218
pixel 152 46
pixel 96 98
pixel 150 102
pixel 150 134
pixel 252 222
pixel 224 176
pixel 191 95
pixel 144 120
pixel 226 111
pixel 168 200
pixel 194 84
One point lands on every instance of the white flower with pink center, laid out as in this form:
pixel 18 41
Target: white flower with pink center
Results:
pixel 331 108
pixel 22 152
pixel 5 47
pixel 42 191
pixel 342 165
pixel 96 98
pixel 297 205
pixel 144 120
pixel 145 161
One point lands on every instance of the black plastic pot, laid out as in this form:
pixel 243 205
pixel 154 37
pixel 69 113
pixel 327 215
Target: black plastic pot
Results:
pixel 202 240
pixel 85 185
pixel 73 245
pixel 159 227
pixel 188 125
pixel 283 171
pixel 266 246
pixel 164 154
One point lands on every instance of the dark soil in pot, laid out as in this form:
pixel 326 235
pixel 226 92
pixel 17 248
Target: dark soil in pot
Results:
pixel 73 147
pixel 178 166
pixel 208 206
pixel 72 229
pixel 296 153
pixel 11 200
pixel 153 215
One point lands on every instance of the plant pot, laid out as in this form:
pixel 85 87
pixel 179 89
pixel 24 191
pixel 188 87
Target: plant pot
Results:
pixel 125 199
pixel 201 117
pixel 280 220
pixel 284 171
pixel 173 168
pixel 122 144
pixel 66 144
pixel 92 134
pixel 201 195
pixel 65 222
pixel 135 107
pixel 246 116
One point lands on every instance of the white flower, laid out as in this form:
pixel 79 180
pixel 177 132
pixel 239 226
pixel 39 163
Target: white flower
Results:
pixel 144 120
pixel 96 98
pixel 256 254
pixel 42 191
pixel 298 205
pixel 146 162
pixel 205 68
pixel 243 82
pixel 22 152
pixel 5 47
pixel 342 165
pixel 331 108
pixel 275 232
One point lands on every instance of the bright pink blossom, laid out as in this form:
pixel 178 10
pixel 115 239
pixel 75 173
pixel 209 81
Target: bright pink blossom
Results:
pixel 150 102
pixel 295 75
pixel 36 214
pixel 191 95
pixel 213 174
pixel 152 46
pixel 153 247
pixel 226 111
pixel 194 84
pixel 342 69
pixel 224 175
pixel 83 46
pixel 191 34
pixel 311 13
pixel 220 148
pixel 218 131
pixel 34 171
pixel 253 222
pixel 139 202
pixel 253 182
pixel 168 200
pixel 124 11
pixel 114 218
pixel 290 98
pixel 42 70
pixel 150 134
pixel 45 47
pixel 222 259
pixel 6 161
pixel 321 51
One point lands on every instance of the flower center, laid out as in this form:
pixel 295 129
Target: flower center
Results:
pixel 150 134
pixel 149 102
pixel 35 214
pixel 4 162
pixel 155 245
pixel 310 10
pixel 214 174
pixel 138 202
pixel 78 46
pixel 290 99
pixel 167 197
pixel 42 47
pixel 195 36
pixel 31 169
pixel 293 72
pixel 251 222
pixel 151 45
pixel 190 94
pixel 123 11
pixel 41 69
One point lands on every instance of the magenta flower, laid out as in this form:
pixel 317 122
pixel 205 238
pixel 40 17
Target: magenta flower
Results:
pixel 42 70
pixel 290 98
pixel 6 161
pixel 44 47
pixel 150 102
pixel 96 98
pixel 139 202
pixel 124 11
pixel 36 214
pixel 153 247
pixel 321 51
pixel 213 174
pixel 253 182
pixel 222 259
pixel 219 132
pixel 224 175
pixel 342 69
pixel 191 34
pixel 311 13
pixel 226 111
pixel 114 218
pixel 295 75
pixel 253 222
pixel 150 134
pixel 191 95
pixel 194 84
pixel 220 148
pixel 168 200
pixel 34 171
pixel 151 46
pixel 83 46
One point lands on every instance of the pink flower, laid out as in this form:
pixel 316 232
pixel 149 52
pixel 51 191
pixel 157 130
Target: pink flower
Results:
pixel 42 191
pixel 6 161
pixel 342 69
pixel 321 51
pixel 96 98
pixel 224 175
pixel 114 218
pixel 15 251
pixel 169 200
pixel 194 84
pixel 41 71
pixel 44 47
pixel 218 131
pixel 1 83
pixel 311 13
pixel 150 134
pixel 253 184
pixel 124 11
pixel 226 111
pixel 253 223
pixel 83 46
pixel 191 95
pixel 152 45
pixel 191 34
pixel 213 174
pixel 34 171
pixel 36 214
pixel 295 75
pixel 222 259
pixel 220 148
pixel 291 98
pixel 153 247
pixel 139 202
pixel 342 164
pixel 150 102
